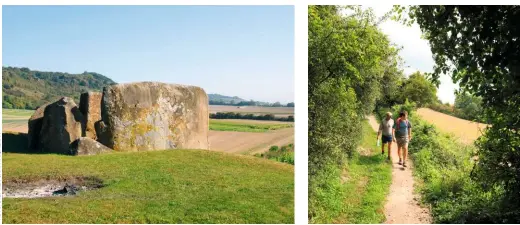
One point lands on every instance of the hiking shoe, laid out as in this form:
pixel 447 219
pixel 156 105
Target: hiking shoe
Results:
pixel 404 164
pixel 400 162
pixel 382 152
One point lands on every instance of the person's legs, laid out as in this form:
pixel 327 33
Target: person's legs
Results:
pixel 399 152
pixel 382 148
pixel 389 150
pixel 405 153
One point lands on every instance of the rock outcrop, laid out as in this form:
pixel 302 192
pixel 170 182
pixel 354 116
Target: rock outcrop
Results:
pixel 87 146
pixel 90 107
pixel 153 116
pixel 35 126
pixel 62 124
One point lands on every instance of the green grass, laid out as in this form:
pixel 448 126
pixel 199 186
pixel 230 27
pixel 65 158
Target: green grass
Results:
pixel 17 112
pixel 177 186
pixel 367 179
pixel 245 127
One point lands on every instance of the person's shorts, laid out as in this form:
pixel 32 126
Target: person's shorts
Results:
pixel 387 139
pixel 402 141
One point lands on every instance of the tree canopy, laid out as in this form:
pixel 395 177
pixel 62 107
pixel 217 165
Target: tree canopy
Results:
pixel 348 58
pixel 479 47
pixel 419 90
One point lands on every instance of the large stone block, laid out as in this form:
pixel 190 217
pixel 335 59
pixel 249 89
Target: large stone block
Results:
pixel 90 107
pixel 87 146
pixel 153 116
pixel 35 126
pixel 62 124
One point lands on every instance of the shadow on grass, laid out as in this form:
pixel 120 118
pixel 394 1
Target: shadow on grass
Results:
pixel 16 143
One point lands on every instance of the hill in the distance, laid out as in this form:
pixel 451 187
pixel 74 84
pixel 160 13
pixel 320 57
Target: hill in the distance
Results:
pixel 23 88
pixel 224 99
pixel 27 89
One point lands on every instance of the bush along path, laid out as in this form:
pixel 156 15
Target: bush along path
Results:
pixel 402 206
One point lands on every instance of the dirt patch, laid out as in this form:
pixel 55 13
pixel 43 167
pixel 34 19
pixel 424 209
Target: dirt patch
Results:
pixel 364 151
pixel 49 187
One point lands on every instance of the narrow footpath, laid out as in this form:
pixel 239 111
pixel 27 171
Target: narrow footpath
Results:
pixel 402 205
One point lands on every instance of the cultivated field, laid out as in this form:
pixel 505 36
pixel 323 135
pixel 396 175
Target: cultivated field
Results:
pixel 227 135
pixel 467 131
pixel 277 111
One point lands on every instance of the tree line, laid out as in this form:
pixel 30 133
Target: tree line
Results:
pixel 234 115
pixel 249 103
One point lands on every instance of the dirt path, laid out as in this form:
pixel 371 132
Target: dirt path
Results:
pixel 402 206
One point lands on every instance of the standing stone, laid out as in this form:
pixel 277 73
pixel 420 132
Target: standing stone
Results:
pixel 35 126
pixel 90 107
pixel 62 125
pixel 154 116
pixel 87 146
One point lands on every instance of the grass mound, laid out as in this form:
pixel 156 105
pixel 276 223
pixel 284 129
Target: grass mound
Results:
pixel 177 186
pixel 245 127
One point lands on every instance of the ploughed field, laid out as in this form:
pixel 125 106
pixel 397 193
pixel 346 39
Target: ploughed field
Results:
pixel 466 130
pixel 256 110
pixel 227 135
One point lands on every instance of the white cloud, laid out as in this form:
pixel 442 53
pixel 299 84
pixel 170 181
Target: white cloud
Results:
pixel 415 51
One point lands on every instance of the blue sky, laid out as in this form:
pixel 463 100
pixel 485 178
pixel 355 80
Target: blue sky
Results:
pixel 247 51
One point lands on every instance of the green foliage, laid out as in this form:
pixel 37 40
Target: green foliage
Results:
pixel 245 127
pixel 348 57
pixel 26 89
pixel 283 154
pixel 176 186
pixel 478 47
pixel 234 115
pixel 470 106
pixel 408 106
pixel 418 89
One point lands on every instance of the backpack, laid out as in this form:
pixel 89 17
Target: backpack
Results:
pixel 399 124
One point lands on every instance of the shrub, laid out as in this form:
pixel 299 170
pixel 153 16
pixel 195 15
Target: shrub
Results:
pixel 283 154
